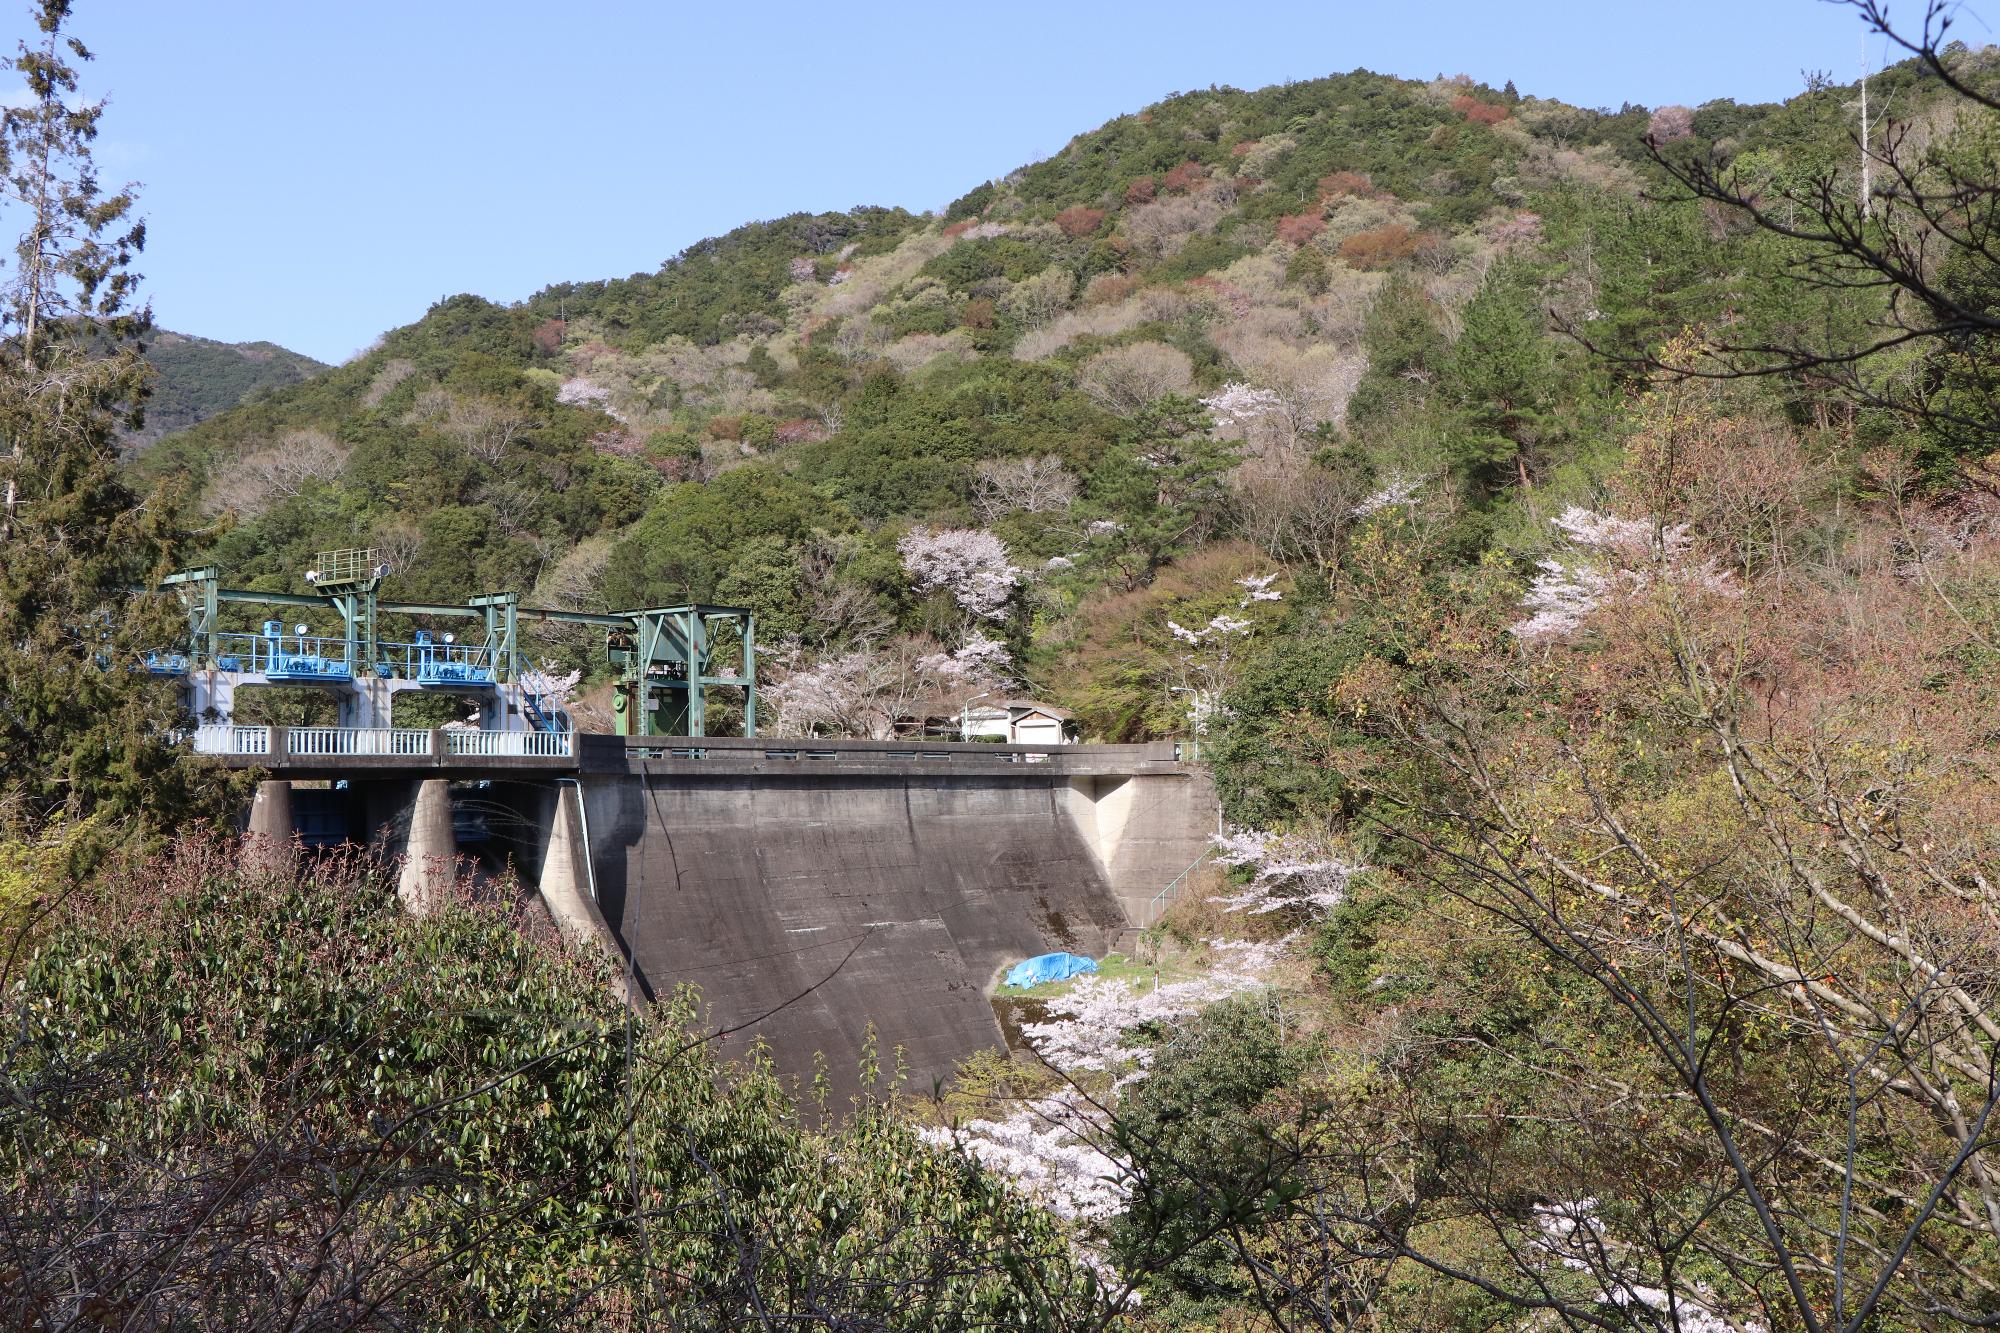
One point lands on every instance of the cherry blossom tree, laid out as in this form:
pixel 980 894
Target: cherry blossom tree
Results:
pixel 1208 667
pixel 1604 555
pixel 580 392
pixel 1670 124
pixel 970 564
pixel 1398 492
pixel 1289 872
pixel 552 688
pixel 1237 404
pixel 872 689
pixel 1063 1150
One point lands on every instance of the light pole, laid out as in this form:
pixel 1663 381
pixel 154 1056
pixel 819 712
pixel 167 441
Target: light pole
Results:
pixel 965 716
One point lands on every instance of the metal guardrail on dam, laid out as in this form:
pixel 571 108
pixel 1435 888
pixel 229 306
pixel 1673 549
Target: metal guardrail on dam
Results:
pixel 598 754
pixel 325 750
pixel 376 747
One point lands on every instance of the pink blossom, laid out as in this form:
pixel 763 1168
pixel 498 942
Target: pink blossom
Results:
pixel 1058 1150
pixel 1398 493
pixel 1575 1236
pixel 1289 872
pixel 1608 554
pixel 1204 707
pixel 971 564
pixel 1051 1148
pixel 867 691
pixel 1228 625
pixel 550 689
pixel 1089 1025
pixel 1670 124
pixel 1257 588
pixel 978 660
pixel 580 392
pixel 1238 404
pixel 1560 598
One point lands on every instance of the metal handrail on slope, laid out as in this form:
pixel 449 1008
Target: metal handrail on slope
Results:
pixel 1157 907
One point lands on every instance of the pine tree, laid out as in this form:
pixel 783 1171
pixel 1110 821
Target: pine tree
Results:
pixel 84 731
pixel 1165 477
pixel 1500 377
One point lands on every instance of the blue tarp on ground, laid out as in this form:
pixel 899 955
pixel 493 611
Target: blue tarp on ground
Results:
pixel 1048 967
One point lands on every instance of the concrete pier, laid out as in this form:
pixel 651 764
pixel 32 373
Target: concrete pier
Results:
pixel 431 853
pixel 268 841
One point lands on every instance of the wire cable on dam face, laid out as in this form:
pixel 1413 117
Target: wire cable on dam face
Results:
pixel 787 953
pixel 673 856
pixel 634 911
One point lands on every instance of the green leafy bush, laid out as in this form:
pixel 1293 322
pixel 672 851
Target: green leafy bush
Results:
pixel 243 1097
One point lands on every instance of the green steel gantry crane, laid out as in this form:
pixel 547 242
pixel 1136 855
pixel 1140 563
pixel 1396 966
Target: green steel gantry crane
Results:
pixel 666 656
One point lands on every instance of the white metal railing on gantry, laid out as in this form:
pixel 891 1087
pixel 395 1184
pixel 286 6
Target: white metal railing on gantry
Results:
pixel 280 743
pixel 225 739
pixel 498 744
pixel 324 741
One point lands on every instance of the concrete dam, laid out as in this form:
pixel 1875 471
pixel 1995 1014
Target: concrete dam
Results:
pixel 809 889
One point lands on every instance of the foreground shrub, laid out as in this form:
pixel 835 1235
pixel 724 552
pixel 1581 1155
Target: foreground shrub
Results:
pixel 257 1102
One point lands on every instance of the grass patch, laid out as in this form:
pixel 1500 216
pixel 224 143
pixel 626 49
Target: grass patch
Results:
pixel 1116 967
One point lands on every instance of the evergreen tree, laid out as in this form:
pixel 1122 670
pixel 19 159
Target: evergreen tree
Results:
pixel 1500 377
pixel 1406 345
pixel 83 730
pixel 1165 477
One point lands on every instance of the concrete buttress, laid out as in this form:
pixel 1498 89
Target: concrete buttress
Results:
pixel 565 884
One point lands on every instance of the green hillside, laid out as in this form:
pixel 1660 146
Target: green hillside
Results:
pixel 762 418
pixel 196 378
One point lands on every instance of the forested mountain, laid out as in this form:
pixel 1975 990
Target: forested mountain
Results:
pixel 1572 536
pixel 195 378
pixel 1377 261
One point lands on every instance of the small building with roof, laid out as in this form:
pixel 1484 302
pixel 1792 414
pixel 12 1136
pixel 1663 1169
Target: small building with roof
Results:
pixel 1018 722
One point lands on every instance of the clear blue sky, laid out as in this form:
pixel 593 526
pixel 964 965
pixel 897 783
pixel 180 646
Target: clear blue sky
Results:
pixel 319 171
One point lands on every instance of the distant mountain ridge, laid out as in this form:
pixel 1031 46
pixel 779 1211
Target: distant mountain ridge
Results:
pixel 200 377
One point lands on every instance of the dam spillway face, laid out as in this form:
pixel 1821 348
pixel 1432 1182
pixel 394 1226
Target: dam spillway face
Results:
pixel 807 907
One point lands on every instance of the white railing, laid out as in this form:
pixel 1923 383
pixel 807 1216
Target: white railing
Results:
pixel 323 741
pixel 226 739
pixel 389 742
pixel 496 744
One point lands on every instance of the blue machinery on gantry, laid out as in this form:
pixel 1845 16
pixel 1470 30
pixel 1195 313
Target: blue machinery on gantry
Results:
pixel 665 659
